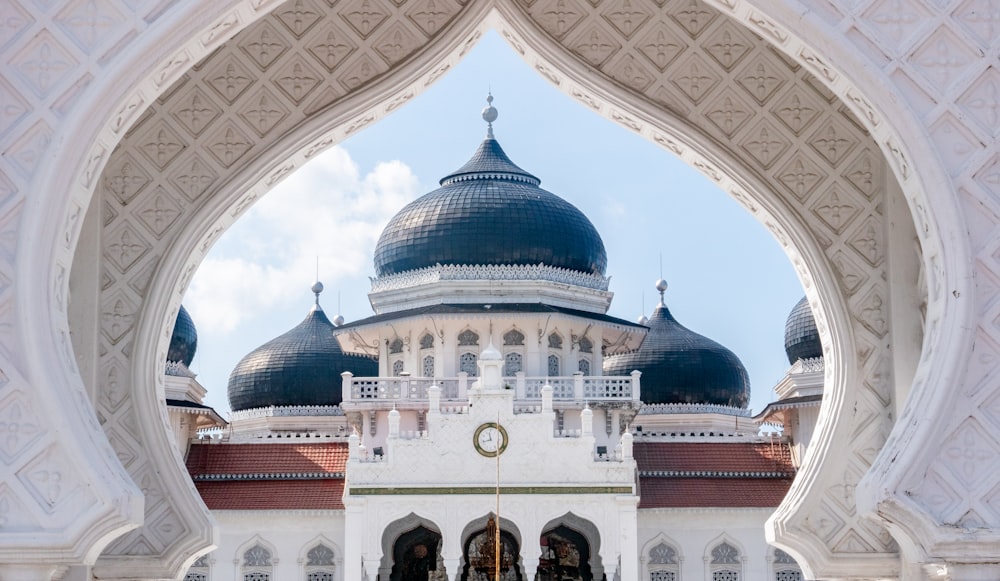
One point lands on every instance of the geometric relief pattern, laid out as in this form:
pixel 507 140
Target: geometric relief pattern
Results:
pixel 256 86
pixel 821 165
pixel 677 53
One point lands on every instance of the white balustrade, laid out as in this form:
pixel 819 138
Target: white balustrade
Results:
pixel 575 388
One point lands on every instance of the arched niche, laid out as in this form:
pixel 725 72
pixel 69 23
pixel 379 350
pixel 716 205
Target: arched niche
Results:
pixel 145 293
pixel 399 541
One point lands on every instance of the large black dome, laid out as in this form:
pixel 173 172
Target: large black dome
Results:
pixel 184 339
pixel 801 335
pixel 490 212
pixel 681 366
pixel 301 367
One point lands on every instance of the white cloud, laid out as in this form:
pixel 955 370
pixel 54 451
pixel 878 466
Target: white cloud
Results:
pixel 327 210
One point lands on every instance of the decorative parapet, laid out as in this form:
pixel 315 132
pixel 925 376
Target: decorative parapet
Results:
pixel 287 412
pixel 178 369
pixel 810 365
pixel 693 408
pixel 533 272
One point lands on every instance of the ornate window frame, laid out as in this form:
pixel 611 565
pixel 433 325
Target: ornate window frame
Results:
pixel 783 566
pixel 260 565
pixel 723 564
pixel 314 565
pixel 661 564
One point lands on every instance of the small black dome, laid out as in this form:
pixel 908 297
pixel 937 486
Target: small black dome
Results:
pixel 301 367
pixel 681 366
pixel 801 335
pixel 490 212
pixel 184 340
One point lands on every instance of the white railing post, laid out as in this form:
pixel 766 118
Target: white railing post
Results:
pixel 578 386
pixel 463 385
pixel 635 384
pixel 546 399
pixel 434 399
pixel 345 386
pixel 519 385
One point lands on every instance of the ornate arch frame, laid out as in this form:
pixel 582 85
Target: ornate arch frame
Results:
pixel 63 184
pixel 660 538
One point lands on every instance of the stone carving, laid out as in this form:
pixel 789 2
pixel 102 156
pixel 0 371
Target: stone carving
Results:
pixel 52 52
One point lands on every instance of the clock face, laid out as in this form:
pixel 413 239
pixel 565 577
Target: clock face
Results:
pixel 490 439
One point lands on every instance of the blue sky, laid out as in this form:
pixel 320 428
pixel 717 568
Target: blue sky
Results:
pixel 729 280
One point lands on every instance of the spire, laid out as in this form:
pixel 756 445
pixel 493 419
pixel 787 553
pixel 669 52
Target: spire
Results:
pixel 489 115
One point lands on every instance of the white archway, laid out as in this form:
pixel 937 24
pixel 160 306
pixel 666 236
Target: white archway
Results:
pixel 41 267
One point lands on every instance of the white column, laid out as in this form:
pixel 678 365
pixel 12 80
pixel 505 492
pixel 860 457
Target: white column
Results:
pixel 354 532
pixel 628 524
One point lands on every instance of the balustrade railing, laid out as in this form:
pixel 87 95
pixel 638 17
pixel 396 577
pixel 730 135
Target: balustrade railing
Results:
pixel 573 388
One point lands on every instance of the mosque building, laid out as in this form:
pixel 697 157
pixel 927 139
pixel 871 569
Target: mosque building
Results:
pixel 490 396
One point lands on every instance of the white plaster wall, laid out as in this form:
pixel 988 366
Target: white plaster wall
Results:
pixel 288 534
pixel 694 532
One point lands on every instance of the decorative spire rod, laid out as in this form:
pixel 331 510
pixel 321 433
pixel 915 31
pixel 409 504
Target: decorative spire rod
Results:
pixel 489 115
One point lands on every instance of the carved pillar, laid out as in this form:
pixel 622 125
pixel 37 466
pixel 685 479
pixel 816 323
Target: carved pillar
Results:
pixel 453 568
pixel 530 565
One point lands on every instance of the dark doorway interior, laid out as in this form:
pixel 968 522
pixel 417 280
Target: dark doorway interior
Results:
pixel 565 556
pixel 414 555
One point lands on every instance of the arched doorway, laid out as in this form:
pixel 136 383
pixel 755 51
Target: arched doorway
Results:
pixel 416 556
pixel 479 554
pixel 565 556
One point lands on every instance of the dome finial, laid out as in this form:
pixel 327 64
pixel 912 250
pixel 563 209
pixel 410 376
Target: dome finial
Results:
pixel 661 286
pixel 489 115
pixel 317 288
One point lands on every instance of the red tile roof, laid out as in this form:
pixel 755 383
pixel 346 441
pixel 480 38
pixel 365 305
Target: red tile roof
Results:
pixel 713 457
pixel 326 457
pixel 712 492
pixel 272 494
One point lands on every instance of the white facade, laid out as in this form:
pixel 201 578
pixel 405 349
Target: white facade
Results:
pixel 899 273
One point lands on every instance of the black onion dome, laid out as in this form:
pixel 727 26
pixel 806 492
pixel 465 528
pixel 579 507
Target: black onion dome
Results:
pixel 681 366
pixel 184 339
pixel 801 335
pixel 490 212
pixel 301 367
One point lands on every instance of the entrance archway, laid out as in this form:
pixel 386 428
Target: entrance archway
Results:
pixel 415 555
pixel 566 555
pixel 832 230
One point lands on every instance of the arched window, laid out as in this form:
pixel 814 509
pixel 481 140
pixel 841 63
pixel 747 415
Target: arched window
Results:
pixel 663 563
pixel 785 567
pixel 427 341
pixel 468 338
pixel 428 366
pixel 396 346
pixel 555 341
pixel 319 563
pixel 584 366
pixel 512 363
pixel 586 345
pixel 198 570
pixel 467 362
pixel 397 368
pixel 553 366
pixel 726 564
pixel 257 564
pixel 513 337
